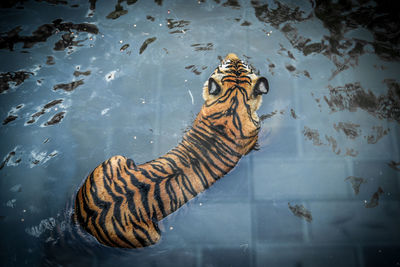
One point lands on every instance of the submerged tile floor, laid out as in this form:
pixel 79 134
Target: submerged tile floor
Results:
pixel 73 93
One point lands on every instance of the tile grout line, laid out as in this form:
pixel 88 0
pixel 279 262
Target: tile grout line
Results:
pixel 396 151
pixel 350 168
pixel 157 123
pixel 360 256
pixel 253 213
pixel 253 222
pixel 199 258
pixel 306 227
pixel 299 139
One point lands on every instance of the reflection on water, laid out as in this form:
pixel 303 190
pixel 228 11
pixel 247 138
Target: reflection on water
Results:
pixel 81 81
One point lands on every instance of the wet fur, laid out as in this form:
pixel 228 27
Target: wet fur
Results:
pixel 120 203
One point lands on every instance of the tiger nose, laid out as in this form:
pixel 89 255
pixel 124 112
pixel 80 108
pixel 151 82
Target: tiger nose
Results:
pixel 231 56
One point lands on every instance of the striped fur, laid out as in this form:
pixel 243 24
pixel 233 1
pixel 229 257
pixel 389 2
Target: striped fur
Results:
pixel 120 203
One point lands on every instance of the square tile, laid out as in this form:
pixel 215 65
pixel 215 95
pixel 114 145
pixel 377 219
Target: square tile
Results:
pixel 382 256
pixel 275 223
pixel 305 256
pixel 280 179
pixel 215 257
pixel 349 222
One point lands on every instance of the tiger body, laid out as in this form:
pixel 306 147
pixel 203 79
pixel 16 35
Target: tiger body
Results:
pixel 120 203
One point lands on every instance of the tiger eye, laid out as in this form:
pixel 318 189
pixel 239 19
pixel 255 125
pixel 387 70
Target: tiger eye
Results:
pixel 261 87
pixel 213 87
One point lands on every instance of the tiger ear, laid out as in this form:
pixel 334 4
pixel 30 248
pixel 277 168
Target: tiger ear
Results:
pixel 261 86
pixel 213 87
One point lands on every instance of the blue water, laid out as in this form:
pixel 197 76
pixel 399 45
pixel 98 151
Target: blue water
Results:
pixel 324 188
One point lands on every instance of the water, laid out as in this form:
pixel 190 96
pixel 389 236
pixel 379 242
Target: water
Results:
pixel 323 190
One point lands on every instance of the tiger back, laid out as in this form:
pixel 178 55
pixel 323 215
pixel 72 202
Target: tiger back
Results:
pixel 120 203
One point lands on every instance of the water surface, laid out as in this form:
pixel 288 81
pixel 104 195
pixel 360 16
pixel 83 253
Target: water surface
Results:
pixel 81 81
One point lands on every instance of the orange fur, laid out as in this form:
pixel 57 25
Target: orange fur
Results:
pixel 120 203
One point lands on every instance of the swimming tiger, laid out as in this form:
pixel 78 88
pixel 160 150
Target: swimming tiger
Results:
pixel 120 203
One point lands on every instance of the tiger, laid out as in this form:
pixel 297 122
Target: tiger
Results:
pixel 120 203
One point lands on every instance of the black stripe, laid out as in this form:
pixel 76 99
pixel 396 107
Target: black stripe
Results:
pixel 142 218
pixel 221 150
pixel 119 234
pixel 199 173
pixel 104 206
pixel 182 187
pixel 205 163
pixel 137 236
pixel 158 167
pixel 202 145
pixel 130 194
pixel 143 189
pixel 117 200
pixel 157 197
pixel 171 193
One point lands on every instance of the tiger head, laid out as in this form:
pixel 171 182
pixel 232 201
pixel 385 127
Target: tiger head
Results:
pixel 232 96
